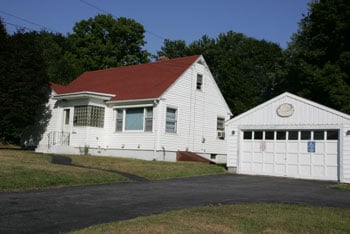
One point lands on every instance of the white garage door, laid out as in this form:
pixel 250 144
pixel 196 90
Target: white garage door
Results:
pixel 310 154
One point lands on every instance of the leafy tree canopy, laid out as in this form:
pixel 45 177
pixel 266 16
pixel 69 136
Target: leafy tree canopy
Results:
pixel 248 71
pixel 23 84
pixel 319 55
pixel 103 42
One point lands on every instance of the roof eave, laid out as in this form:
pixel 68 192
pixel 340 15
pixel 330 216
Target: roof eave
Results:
pixel 85 94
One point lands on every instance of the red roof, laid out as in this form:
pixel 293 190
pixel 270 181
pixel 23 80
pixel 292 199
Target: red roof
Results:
pixel 142 81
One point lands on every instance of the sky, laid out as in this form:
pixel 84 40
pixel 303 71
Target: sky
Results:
pixel 189 20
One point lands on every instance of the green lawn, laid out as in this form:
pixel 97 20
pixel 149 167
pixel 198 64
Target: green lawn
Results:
pixel 28 170
pixel 247 218
pixel 153 170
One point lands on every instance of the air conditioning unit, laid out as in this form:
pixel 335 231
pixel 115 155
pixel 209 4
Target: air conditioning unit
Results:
pixel 221 135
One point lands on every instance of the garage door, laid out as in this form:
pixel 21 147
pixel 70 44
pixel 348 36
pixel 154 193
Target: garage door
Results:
pixel 310 154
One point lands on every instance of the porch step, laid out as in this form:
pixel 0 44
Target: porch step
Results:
pixel 191 157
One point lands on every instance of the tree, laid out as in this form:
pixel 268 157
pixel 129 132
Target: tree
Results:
pixel 248 71
pixel 23 84
pixel 102 42
pixel 319 55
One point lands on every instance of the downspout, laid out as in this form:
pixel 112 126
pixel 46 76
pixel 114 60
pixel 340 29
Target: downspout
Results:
pixel 156 119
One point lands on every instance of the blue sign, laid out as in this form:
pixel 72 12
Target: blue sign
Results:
pixel 311 146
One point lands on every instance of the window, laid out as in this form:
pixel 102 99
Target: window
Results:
pixel 318 135
pixel 66 116
pixel 292 135
pixel 281 135
pixel 134 119
pixel 92 116
pixel 332 135
pixel 171 120
pixel 305 135
pixel 269 135
pixel 199 81
pixel 247 135
pixel 148 119
pixel 119 121
pixel 258 135
pixel 220 128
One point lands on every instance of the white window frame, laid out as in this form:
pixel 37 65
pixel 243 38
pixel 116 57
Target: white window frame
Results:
pixel 174 121
pixel 220 131
pixel 66 116
pixel 122 120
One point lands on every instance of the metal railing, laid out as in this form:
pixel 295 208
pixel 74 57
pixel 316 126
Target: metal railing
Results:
pixel 58 138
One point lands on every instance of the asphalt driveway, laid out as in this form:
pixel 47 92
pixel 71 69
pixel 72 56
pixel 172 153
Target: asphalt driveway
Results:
pixel 65 209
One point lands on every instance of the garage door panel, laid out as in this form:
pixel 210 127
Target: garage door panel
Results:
pixel 280 158
pixel 304 159
pixel 293 147
pixel 292 170
pixel 280 147
pixel 294 153
pixel 268 158
pixel 292 158
pixel 305 170
pixel 331 147
pixel 331 160
pixel 318 159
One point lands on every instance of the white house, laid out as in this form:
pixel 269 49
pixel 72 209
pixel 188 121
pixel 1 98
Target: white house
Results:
pixel 148 111
pixel 292 137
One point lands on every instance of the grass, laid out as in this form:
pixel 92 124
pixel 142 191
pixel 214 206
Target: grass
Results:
pixel 341 186
pixel 247 218
pixel 28 170
pixel 153 170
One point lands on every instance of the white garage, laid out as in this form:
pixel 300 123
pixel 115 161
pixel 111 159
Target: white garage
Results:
pixel 290 136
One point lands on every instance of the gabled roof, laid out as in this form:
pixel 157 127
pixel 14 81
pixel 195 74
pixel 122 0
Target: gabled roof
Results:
pixel 294 97
pixel 144 81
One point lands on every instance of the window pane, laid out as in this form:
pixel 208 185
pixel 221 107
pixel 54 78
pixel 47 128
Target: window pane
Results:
pixel 119 121
pixel 149 119
pixel 305 135
pixel 134 119
pixel 281 135
pixel 220 126
pixel 199 81
pixel 170 124
pixel 258 135
pixel 332 135
pixel 269 135
pixel 292 135
pixel 66 116
pixel 318 135
pixel 247 135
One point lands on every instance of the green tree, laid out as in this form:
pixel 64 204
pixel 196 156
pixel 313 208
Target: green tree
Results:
pixel 23 84
pixel 248 71
pixel 103 42
pixel 319 55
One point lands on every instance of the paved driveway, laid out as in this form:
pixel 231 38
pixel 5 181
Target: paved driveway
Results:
pixel 65 209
